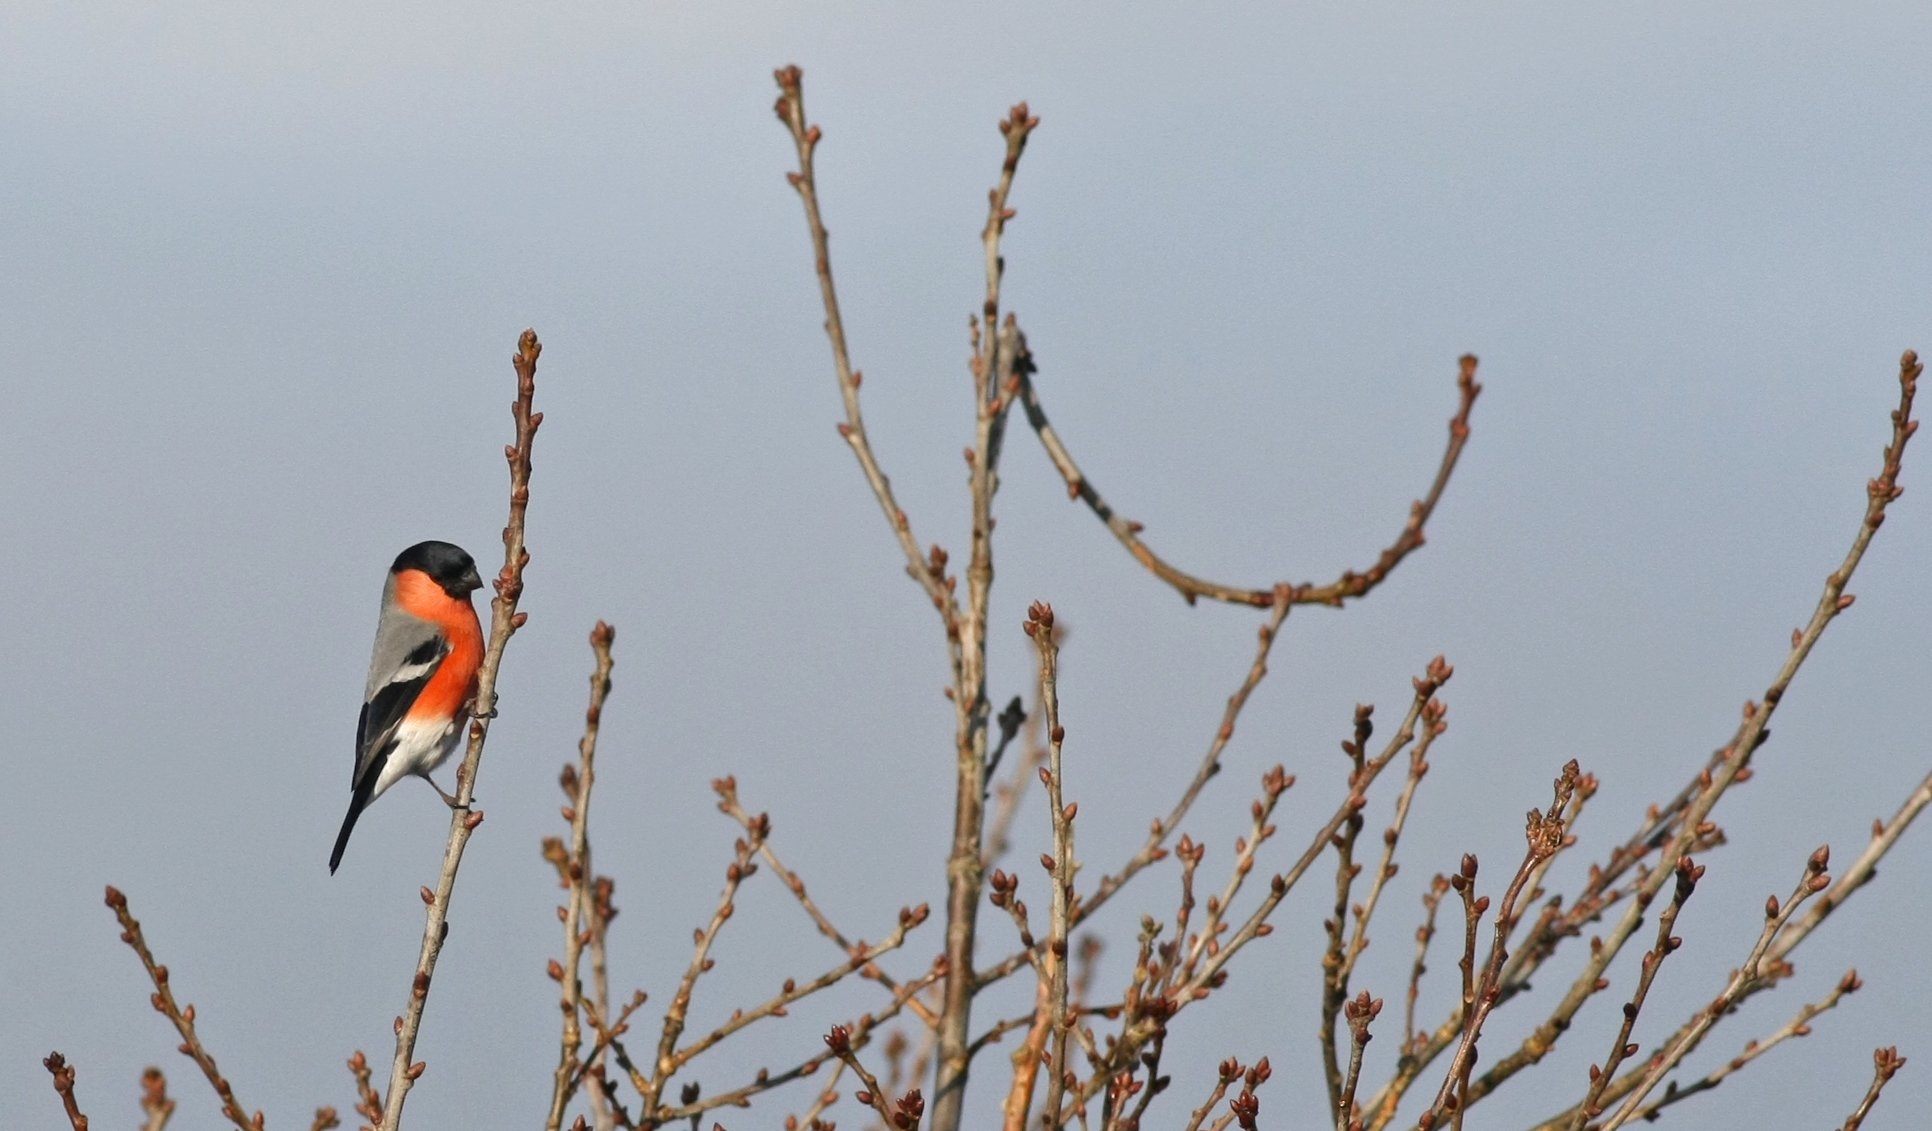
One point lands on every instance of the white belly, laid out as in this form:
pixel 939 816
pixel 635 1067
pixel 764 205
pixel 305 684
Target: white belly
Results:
pixel 420 748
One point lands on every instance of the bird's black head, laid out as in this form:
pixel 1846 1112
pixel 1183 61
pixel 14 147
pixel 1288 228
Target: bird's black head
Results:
pixel 448 566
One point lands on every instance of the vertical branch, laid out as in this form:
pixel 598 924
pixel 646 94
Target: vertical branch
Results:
pixel 1544 833
pixel 1424 935
pixel 182 1016
pixel 603 1111
pixel 1360 1014
pixel 504 621
pixel 1334 977
pixel 581 913
pixel 1039 626
pixel 999 364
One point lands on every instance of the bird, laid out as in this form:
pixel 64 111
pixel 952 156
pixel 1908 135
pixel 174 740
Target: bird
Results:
pixel 422 678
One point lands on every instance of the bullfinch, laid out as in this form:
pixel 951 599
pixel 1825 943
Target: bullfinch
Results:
pixel 422 678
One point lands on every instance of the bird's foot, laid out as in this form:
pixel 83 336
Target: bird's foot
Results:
pixel 448 799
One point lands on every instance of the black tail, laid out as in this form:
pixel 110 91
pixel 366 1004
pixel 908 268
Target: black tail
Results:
pixel 358 801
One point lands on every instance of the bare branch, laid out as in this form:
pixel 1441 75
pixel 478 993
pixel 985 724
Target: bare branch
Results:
pixel 156 1105
pixel 1688 830
pixel 1744 981
pixel 1424 935
pixel 63 1074
pixel 728 803
pixel 1350 584
pixel 1885 1064
pixel 1799 1026
pixel 504 621
pixel 1688 873
pixel 1039 626
pixel 1360 1014
pixel 791 111
pixel 182 1017
pixel 578 874
pixel 1152 849
pixel 1543 836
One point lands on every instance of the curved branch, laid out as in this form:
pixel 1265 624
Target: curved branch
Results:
pixel 1350 584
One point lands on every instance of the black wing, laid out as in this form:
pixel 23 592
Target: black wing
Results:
pixel 385 710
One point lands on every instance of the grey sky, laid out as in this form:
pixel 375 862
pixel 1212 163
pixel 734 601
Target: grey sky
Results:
pixel 262 268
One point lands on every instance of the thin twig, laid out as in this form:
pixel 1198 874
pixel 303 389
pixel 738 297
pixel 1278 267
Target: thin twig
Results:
pixel 368 1100
pixel 183 1017
pixel 1799 1026
pixel 1350 584
pixel 1742 982
pixel 1424 935
pixel 155 1103
pixel 63 1074
pixel 839 1040
pixel 504 621
pixel 1885 1064
pixel 1039 626
pixel 909 919
pixel 825 1099
pixel 1334 980
pixel 1686 829
pixel 577 871
pixel 1885 834
pixel 1543 836
pixel 740 868
pixel 728 803
pixel 1688 873
pixel 861 1032
pixel 1359 1014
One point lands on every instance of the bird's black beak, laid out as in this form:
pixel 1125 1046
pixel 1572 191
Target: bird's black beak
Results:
pixel 470 582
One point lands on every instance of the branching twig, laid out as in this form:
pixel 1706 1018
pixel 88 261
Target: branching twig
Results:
pixel 1000 363
pixel 1682 827
pixel 504 620
pixel 1799 1026
pixel 1744 981
pixel 740 868
pixel 1350 584
pixel 183 1017
pixel 1543 836
pixel 1688 873
pixel 581 910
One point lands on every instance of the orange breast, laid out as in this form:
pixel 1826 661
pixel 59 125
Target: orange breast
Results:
pixel 454 683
